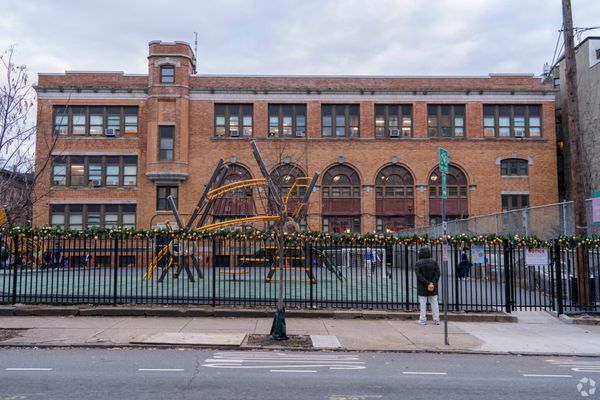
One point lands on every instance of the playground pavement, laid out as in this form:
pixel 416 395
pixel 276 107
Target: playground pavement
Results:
pixel 526 332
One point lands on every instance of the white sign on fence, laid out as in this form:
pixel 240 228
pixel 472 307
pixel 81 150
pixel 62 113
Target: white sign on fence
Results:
pixel 536 257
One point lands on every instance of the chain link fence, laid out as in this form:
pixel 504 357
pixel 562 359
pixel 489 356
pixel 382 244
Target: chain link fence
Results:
pixel 546 222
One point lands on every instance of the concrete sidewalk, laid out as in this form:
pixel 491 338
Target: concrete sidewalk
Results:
pixel 533 333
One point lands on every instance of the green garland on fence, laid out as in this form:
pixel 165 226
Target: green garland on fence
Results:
pixel 368 239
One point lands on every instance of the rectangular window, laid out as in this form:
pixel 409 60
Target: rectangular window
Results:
pixel 514 201
pixel 93 218
pixel 59 171
pixel 113 121
pixel 234 120
pixel 131 121
pixel 79 121
pixel 82 216
pixel 111 216
pixel 340 120
pixel 393 120
pixel 94 171
pixel 76 217
pixel 514 167
pixel 489 121
pixel 507 120
pixel 128 216
pixel 287 120
pixel 167 74
pixel 57 216
pixel 129 171
pixel 61 120
pixel 77 171
pixel 162 192
pixel 446 120
pixel 113 171
pixel 95 120
pixel 166 142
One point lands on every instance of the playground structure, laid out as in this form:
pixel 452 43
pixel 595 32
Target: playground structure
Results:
pixel 11 248
pixel 181 254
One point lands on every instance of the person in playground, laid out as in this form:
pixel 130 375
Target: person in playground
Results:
pixel 428 275
pixel 464 267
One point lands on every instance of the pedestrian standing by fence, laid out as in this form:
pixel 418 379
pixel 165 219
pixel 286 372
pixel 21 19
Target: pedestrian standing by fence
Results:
pixel 428 275
pixel 464 267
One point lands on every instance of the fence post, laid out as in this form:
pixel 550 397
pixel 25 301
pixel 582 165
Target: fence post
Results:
pixel 16 265
pixel 214 273
pixel 564 217
pixel 406 277
pixel 507 277
pixel 497 224
pixel 115 269
pixel 559 287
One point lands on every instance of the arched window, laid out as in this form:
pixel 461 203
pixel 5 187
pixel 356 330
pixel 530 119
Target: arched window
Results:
pixel 394 194
pixel 514 167
pixel 237 203
pixel 456 186
pixel 341 181
pixel 341 199
pixel 394 181
pixel 284 177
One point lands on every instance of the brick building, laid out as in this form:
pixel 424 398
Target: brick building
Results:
pixel 121 143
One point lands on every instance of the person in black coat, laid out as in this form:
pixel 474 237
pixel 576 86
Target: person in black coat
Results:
pixel 428 275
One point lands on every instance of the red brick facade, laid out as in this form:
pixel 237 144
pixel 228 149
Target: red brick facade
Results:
pixel 188 105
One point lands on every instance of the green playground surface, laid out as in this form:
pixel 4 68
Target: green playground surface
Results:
pixel 222 284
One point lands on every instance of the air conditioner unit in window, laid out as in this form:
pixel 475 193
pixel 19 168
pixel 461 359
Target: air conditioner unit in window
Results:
pixel 519 132
pixel 96 182
pixel 394 132
pixel 299 133
pixel 234 133
pixel 110 132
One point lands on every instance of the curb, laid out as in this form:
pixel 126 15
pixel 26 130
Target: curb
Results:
pixel 120 311
pixel 281 348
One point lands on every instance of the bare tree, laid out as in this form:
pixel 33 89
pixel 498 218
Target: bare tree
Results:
pixel 16 139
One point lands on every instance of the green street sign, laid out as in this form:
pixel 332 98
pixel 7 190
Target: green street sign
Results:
pixel 444 160
pixel 444 170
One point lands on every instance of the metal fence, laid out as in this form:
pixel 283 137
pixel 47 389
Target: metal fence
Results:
pixel 61 270
pixel 545 222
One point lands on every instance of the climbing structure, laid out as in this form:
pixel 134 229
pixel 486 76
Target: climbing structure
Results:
pixel 181 254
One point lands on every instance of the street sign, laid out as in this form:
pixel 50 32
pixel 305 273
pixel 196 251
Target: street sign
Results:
pixel 444 161
pixel 596 208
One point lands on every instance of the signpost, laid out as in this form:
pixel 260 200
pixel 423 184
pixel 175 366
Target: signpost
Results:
pixel 444 161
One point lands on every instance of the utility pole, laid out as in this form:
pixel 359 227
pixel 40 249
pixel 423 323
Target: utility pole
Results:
pixel 578 185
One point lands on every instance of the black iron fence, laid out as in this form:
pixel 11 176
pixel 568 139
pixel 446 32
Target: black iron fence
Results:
pixel 321 272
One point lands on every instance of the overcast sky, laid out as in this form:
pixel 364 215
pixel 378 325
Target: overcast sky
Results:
pixel 345 37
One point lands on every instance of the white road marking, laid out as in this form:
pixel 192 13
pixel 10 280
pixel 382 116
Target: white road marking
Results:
pixel 282 361
pixel 424 373
pixel 577 365
pixel 161 369
pixel 28 369
pixel 547 376
pixel 293 370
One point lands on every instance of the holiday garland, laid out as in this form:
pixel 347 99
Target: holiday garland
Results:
pixel 368 239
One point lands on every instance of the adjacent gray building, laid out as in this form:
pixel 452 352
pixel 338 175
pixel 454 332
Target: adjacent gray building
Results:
pixel 588 78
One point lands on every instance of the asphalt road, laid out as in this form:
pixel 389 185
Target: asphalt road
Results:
pixel 204 374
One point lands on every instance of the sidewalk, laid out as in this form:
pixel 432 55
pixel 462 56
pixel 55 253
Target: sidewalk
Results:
pixel 533 333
